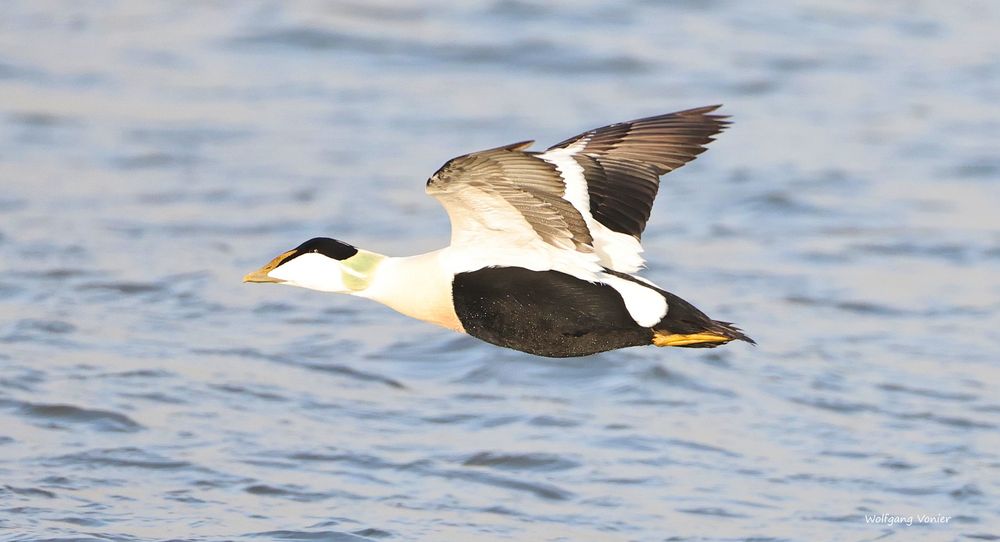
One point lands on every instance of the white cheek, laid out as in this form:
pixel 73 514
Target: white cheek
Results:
pixel 313 271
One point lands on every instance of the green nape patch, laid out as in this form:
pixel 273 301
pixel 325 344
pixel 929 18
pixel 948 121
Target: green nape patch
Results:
pixel 359 269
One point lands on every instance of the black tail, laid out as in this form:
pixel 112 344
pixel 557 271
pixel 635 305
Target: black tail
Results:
pixel 686 326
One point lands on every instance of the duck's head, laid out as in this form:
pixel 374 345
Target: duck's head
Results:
pixel 321 264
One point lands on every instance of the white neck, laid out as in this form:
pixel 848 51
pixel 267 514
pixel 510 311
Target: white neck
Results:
pixel 417 286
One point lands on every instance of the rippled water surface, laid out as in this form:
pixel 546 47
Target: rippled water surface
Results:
pixel 151 153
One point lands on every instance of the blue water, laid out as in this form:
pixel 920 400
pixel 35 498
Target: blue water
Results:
pixel 151 153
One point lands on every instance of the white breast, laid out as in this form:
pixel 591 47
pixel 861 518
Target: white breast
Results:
pixel 417 286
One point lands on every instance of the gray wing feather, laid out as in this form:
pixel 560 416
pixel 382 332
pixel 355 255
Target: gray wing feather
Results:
pixel 529 184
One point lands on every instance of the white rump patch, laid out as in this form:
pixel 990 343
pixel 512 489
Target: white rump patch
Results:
pixel 646 306
pixel 619 251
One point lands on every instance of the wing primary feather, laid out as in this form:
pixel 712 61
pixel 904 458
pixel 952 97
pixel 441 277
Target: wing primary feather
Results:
pixel 629 157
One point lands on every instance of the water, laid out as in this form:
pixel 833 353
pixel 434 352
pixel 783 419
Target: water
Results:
pixel 151 153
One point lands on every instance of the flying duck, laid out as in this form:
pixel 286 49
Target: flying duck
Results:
pixel 544 246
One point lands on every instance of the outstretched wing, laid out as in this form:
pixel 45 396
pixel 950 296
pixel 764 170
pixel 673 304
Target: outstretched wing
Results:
pixel 511 195
pixel 583 202
pixel 612 174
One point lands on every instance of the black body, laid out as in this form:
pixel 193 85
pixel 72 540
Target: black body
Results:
pixel 546 313
pixel 553 314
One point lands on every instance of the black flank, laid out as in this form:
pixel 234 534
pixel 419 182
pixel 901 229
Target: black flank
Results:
pixel 546 313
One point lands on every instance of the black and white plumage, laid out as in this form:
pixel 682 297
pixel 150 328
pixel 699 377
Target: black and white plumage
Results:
pixel 544 246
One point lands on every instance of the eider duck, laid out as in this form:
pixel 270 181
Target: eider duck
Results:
pixel 544 246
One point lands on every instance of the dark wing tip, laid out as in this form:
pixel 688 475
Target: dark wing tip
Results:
pixel 697 114
pixel 623 162
pixel 702 120
pixel 700 114
pixel 519 146
pixel 703 111
pixel 698 110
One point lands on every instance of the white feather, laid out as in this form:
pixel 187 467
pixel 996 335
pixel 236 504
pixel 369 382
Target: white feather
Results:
pixel 646 306
pixel 510 242
pixel 486 230
pixel 617 251
pixel 572 174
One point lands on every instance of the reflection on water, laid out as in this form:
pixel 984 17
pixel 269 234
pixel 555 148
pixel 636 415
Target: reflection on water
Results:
pixel 152 153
